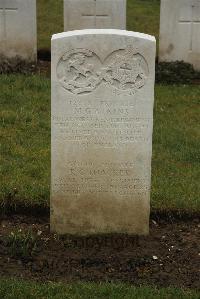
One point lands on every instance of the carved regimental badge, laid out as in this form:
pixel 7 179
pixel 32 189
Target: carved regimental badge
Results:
pixel 81 71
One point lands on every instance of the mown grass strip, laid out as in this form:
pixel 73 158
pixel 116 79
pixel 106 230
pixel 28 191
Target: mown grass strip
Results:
pixel 12 289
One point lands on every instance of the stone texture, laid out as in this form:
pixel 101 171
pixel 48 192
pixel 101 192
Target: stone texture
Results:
pixel 180 31
pixel 18 29
pixel 102 120
pixel 91 14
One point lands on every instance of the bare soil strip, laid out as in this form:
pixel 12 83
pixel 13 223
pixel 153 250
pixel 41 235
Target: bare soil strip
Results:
pixel 169 256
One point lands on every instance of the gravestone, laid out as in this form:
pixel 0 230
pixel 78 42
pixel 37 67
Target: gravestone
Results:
pixel 100 14
pixel 18 29
pixel 102 119
pixel 180 31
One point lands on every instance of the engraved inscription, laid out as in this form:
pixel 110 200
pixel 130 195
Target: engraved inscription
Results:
pixel 115 178
pixel 81 71
pixel 111 132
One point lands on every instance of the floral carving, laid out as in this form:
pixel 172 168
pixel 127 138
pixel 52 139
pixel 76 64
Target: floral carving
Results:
pixel 81 71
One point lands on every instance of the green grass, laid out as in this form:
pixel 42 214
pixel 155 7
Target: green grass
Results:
pixel 176 148
pixel 25 145
pixel 25 139
pixel 142 16
pixel 13 289
pixel 50 20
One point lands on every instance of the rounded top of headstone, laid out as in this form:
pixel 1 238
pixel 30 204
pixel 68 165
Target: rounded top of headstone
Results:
pixel 103 31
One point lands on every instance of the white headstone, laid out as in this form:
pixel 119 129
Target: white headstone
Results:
pixel 102 120
pixel 18 29
pixel 180 31
pixel 91 14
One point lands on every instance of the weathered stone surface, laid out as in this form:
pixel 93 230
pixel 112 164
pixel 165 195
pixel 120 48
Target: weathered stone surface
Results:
pixel 18 29
pixel 102 120
pixel 180 31
pixel 91 14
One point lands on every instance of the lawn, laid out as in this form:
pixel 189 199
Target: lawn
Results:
pixel 142 16
pixel 25 144
pixel 12 289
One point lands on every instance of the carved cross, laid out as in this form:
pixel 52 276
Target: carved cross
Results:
pixel 6 8
pixel 195 19
pixel 94 17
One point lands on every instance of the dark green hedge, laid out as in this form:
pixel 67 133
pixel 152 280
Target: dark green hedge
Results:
pixel 177 72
